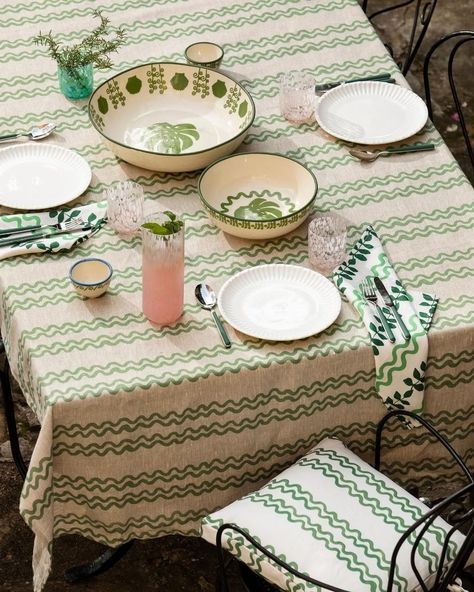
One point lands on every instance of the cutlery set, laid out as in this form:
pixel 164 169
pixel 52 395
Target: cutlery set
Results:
pixel 370 296
pixel 10 237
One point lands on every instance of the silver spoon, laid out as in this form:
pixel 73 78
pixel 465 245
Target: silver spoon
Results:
pixel 36 133
pixel 371 155
pixel 207 299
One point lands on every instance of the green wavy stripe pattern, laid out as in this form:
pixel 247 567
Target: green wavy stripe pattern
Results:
pixel 319 530
pixel 171 21
pixel 48 17
pixel 160 35
pixel 204 412
pixel 407 511
pixel 41 472
pixel 216 428
pixel 233 464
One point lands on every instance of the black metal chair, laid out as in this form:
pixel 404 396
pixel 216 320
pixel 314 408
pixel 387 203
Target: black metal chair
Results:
pixel 463 38
pixel 454 512
pixel 421 21
pixel 10 414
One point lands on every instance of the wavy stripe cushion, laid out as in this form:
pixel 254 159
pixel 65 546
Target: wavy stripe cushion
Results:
pixel 335 518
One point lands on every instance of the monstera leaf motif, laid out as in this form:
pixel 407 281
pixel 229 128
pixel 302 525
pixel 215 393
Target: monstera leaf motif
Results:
pixel 170 138
pixel 259 209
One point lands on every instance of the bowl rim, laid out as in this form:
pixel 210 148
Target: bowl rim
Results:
pixel 207 61
pixel 208 206
pixel 88 284
pixel 163 154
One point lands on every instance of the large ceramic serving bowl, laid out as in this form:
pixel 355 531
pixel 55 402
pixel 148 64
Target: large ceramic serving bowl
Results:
pixel 171 117
pixel 257 195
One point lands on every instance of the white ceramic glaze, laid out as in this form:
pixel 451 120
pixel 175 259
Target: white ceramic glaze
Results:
pixel 41 176
pixel 257 195
pixel 205 54
pixel 91 277
pixel 171 117
pixel 279 302
pixel 371 112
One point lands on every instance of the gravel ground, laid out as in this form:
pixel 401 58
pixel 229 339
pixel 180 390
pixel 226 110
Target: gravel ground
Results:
pixel 178 563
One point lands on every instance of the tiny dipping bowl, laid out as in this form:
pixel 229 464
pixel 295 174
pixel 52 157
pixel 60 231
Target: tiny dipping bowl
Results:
pixel 205 54
pixel 91 277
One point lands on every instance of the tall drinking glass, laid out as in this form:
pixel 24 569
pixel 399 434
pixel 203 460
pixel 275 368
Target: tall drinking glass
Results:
pixel 162 273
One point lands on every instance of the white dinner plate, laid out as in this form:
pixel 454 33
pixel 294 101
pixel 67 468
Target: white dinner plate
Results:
pixel 371 112
pixel 279 302
pixel 41 176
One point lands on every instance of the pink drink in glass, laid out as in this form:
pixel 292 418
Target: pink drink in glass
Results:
pixel 163 275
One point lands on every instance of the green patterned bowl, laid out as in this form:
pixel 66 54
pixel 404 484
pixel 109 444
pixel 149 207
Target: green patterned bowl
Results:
pixel 171 117
pixel 257 195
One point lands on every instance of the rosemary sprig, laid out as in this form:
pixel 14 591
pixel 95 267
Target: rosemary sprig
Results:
pixel 93 49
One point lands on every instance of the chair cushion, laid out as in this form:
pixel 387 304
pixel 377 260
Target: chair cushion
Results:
pixel 335 518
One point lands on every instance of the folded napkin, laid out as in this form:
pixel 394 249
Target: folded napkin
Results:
pixel 92 214
pixel 400 366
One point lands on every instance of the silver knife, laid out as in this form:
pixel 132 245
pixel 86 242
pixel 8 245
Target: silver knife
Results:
pixel 10 241
pixel 389 302
pixel 330 85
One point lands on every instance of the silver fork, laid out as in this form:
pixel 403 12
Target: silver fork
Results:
pixel 370 295
pixel 12 237
pixel 71 224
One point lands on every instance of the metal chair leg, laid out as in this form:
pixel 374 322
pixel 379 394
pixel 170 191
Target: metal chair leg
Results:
pixel 98 566
pixel 10 417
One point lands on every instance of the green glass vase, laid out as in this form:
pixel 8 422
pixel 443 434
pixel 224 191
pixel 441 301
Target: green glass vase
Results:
pixel 78 83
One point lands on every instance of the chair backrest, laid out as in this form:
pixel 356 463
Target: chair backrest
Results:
pixel 421 21
pixel 464 37
pixel 458 511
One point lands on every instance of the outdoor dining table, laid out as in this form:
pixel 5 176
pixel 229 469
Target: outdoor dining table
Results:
pixel 144 430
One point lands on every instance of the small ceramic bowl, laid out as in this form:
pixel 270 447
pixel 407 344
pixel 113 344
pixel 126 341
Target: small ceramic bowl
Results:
pixel 257 195
pixel 204 54
pixel 91 277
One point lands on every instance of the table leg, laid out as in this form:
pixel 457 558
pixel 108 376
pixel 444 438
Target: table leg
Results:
pixel 100 565
pixel 10 415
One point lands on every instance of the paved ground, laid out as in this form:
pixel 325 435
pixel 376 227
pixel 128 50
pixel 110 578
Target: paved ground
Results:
pixel 174 564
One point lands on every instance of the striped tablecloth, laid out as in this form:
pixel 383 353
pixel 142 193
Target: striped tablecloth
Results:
pixel 146 430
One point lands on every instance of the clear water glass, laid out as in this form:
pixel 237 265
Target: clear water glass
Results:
pixel 125 207
pixel 327 234
pixel 297 96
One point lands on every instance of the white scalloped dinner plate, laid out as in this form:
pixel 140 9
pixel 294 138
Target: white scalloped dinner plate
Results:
pixel 371 112
pixel 41 176
pixel 279 302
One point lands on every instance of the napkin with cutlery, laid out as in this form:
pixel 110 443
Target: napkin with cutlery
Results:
pixel 400 366
pixel 40 236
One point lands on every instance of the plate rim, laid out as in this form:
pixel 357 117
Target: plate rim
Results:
pixel 298 336
pixel 163 154
pixel 63 200
pixel 370 84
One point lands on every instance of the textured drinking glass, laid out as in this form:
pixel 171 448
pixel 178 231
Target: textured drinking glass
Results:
pixel 326 242
pixel 125 206
pixel 297 96
pixel 163 273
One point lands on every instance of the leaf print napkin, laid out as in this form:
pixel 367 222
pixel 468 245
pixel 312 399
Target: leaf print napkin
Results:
pixel 92 214
pixel 400 367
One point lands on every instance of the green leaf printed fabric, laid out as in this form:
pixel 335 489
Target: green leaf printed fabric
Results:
pixel 93 214
pixel 400 366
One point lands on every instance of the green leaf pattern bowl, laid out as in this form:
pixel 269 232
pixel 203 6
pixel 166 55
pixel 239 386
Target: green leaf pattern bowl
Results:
pixel 171 117
pixel 257 195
